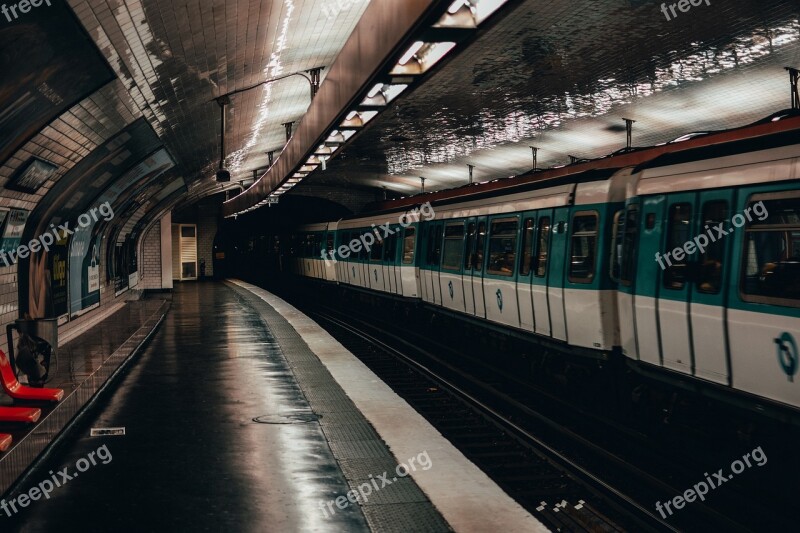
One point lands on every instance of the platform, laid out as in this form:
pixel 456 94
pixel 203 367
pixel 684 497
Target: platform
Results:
pixel 243 415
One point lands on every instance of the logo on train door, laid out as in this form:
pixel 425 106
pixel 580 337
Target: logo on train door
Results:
pixel 450 286
pixel 500 299
pixel 354 271
pixel 376 275
pixel 788 354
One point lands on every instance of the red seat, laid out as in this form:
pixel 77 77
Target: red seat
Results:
pixel 19 391
pixel 5 442
pixel 26 415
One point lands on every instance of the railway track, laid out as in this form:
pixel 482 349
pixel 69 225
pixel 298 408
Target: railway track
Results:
pixel 561 493
pixel 530 443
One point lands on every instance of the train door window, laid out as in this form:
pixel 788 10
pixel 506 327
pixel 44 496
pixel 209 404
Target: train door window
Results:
pixel 618 234
pixel 583 247
pixel 453 247
pixel 434 246
pixel 543 246
pixel 480 245
pixel 363 254
pixel 526 262
pixel 330 242
pixel 709 273
pixel 630 243
pixel 678 233
pixel 409 245
pixel 469 256
pixel 771 262
pixel 376 254
pixel 503 247
pixel 390 249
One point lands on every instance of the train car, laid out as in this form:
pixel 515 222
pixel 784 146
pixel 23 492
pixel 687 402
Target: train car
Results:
pixel 591 264
pixel 726 310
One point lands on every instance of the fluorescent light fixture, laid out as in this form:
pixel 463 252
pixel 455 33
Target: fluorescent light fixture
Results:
pixel 352 115
pixel 375 90
pixel 468 13
pixel 359 120
pixel 385 96
pixel 428 55
pixel 411 52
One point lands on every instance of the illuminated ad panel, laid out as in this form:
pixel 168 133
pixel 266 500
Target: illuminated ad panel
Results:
pixel 85 246
pixel 49 64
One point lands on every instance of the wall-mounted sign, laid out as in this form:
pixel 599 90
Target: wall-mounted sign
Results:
pixel 31 175
pixel 15 225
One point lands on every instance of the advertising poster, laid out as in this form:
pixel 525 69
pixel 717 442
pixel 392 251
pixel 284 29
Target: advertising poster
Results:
pixel 84 256
pixel 59 252
pixel 12 234
pixel 55 65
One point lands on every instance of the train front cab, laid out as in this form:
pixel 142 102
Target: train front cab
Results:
pixel 730 315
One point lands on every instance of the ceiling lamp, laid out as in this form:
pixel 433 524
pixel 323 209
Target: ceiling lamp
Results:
pixel 468 13
pixel 421 57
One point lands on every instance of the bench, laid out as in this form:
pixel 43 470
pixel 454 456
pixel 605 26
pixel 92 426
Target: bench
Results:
pixel 24 415
pixel 19 391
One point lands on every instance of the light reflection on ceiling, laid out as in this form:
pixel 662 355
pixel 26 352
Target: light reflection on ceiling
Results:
pixel 563 83
pixel 519 126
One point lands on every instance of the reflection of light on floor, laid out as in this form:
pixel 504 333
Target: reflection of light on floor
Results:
pixel 717 104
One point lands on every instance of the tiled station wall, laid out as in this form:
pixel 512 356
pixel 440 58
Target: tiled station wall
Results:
pixel 150 261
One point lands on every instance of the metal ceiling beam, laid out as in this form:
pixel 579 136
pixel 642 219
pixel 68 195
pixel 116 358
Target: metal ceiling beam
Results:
pixel 377 38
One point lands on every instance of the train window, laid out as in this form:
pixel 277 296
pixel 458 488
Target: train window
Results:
pixel 409 244
pixel 678 233
pixel 330 242
pixel 709 272
pixel 434 246
pixel 503 247
pixel 630 243
pixel 650 221
pixel 543 247
pixel 583 247
pixel 390 249
pixel 526 262
pixel 618 235
pixel 470 247
pixel 377 249
pixel 453 247
pixel 480 246
pixel 771 262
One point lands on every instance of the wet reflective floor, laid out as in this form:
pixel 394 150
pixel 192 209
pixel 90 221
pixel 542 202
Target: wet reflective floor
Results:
pixel 192 457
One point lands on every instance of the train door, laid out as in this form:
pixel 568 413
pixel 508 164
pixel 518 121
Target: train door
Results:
pixel 499 284
pixel 375 267
pixel 388 261
pixel 451 277
pixel 524 287
pixel 764 293
pixel 673 298
pixel 628 239
pixel 469 271
pixel 541 264
pixel 478 266
pixel 710 273
pixel 409 273
pixel 556 276
pixel 435 259
pixel 425 274
pixel 649 286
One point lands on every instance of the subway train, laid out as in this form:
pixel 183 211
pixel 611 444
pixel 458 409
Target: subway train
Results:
pixel 683 259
